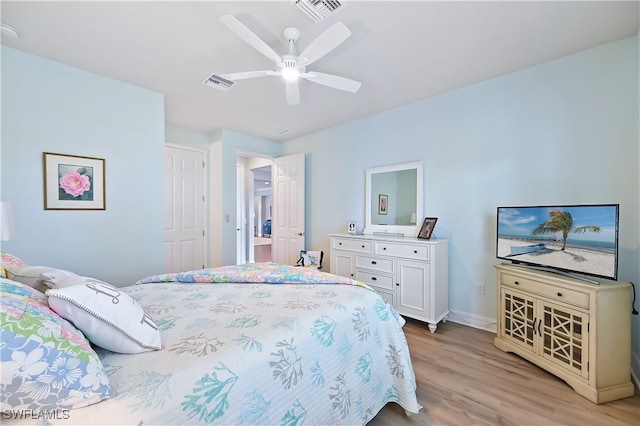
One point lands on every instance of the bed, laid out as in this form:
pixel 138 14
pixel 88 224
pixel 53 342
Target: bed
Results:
pixel 253 344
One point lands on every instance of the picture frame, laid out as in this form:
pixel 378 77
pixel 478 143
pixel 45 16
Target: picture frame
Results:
pixel 73 182
pixel 427 227
pixel 383 203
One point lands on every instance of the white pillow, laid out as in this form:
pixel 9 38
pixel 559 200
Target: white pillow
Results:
pixel 29 275
pixel 59 278
pixel 108 317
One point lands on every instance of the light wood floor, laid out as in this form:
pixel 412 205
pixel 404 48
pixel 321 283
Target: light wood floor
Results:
pixel 262 253
pixel 464 380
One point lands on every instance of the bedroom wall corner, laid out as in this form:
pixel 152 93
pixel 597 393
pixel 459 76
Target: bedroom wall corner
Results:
pixel 80 113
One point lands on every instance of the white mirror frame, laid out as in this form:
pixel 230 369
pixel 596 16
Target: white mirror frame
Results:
pixel 406 230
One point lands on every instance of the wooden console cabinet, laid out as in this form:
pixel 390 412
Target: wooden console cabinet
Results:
pixel 578 331
pixel 411 274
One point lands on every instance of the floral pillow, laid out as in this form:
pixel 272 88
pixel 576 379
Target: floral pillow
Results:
pixel 109 317
pixel 8 259
pixel 47 363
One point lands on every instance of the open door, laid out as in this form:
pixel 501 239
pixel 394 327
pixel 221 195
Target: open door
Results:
pixel 287 224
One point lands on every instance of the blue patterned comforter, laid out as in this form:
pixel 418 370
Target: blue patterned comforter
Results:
pixel 260 354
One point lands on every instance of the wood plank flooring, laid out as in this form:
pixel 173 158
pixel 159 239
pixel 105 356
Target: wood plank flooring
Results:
pixel 464 380
pixel 262 253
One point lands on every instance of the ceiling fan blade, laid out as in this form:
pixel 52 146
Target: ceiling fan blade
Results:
pixel 334 81
pixel 247 35
pixel 293 93
pixel 324 43
pixel 248 74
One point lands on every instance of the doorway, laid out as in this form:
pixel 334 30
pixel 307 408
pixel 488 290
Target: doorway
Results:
pixel 286 211
pixel 262 213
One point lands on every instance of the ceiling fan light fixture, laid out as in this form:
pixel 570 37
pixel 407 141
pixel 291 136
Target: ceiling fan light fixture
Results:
pixel 291 74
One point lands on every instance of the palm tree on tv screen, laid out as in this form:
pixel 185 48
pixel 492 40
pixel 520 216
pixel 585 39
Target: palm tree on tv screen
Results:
pixel 562 222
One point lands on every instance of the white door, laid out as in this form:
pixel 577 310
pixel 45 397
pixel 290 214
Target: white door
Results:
pixel 287 223
pixel 184 209
pixel 241 257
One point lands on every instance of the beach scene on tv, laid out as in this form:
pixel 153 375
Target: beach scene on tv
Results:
pixel 576 238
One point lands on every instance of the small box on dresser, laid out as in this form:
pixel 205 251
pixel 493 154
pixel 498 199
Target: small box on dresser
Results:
pixel 411 274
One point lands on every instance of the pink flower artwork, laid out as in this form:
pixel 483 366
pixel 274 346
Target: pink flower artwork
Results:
pixel 75 184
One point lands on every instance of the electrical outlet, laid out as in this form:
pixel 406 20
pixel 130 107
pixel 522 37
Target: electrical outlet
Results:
pixel 480 288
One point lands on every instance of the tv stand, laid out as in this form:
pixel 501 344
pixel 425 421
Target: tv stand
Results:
pixel 579 332
pixel 555 271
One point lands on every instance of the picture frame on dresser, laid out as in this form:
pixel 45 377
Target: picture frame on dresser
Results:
pixel 428 225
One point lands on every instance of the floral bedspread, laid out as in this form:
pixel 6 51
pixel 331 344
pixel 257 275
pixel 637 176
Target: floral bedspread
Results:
pixel 259 354
pixel 273 273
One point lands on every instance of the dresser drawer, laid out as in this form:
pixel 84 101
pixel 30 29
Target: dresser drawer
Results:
pixel 375 280
pixel 560 294
pixel 402 250
pixel 361 246
pixel 375 263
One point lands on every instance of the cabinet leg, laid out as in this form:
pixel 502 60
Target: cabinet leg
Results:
pixel 433 327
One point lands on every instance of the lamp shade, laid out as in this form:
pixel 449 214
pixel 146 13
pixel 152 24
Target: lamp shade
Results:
pixel 6 221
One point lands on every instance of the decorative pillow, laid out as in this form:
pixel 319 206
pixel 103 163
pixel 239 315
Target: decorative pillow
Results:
pixel 47 363
pixel 29 275
pixel 109 317
pixel 58 278
pixel 8 259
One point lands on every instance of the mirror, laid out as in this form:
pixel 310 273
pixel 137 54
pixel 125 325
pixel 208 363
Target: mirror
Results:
pixel 394 199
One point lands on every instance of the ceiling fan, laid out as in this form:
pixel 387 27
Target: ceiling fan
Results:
pixel 290 66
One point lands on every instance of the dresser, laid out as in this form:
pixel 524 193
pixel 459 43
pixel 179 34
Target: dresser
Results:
pixel 411 274
pixel 577 331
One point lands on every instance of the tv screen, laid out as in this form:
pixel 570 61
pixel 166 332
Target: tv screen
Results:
pixel 580 239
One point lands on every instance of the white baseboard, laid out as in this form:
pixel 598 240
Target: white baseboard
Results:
pixel 475 321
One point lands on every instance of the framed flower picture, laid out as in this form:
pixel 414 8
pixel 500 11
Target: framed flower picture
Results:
pixel 72 182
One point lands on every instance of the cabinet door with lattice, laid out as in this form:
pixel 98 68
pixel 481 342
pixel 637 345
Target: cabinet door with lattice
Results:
pixel 518 317
pixel 564 337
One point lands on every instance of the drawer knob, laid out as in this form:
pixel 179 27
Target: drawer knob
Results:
pixel 374 279
pixel 559 294
pixel 339 244
pixel 398 284
pixel 384 248
pixel 415 251
pixel 363 246
pixel 516 283
pixel 373 262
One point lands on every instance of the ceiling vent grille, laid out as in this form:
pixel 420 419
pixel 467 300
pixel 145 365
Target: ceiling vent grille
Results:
pixel 278 130
pixel 219 83
pixel 318 10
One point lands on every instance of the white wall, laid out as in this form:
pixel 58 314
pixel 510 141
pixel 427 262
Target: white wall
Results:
pixel 565 132
pixel 47 106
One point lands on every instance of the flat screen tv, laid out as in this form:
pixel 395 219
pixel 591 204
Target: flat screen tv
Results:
pixel 569 239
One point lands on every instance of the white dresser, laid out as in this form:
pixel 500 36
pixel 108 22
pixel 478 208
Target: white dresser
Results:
pixel 411 274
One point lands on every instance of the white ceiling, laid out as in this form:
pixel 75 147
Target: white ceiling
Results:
pixel 401 51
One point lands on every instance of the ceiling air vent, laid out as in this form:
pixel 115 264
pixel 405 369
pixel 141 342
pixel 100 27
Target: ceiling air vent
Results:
pixel 278 130
pixel 318 10
pixel 218 82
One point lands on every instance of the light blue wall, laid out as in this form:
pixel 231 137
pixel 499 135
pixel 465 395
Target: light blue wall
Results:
pixel 51 107
pixel 563 132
